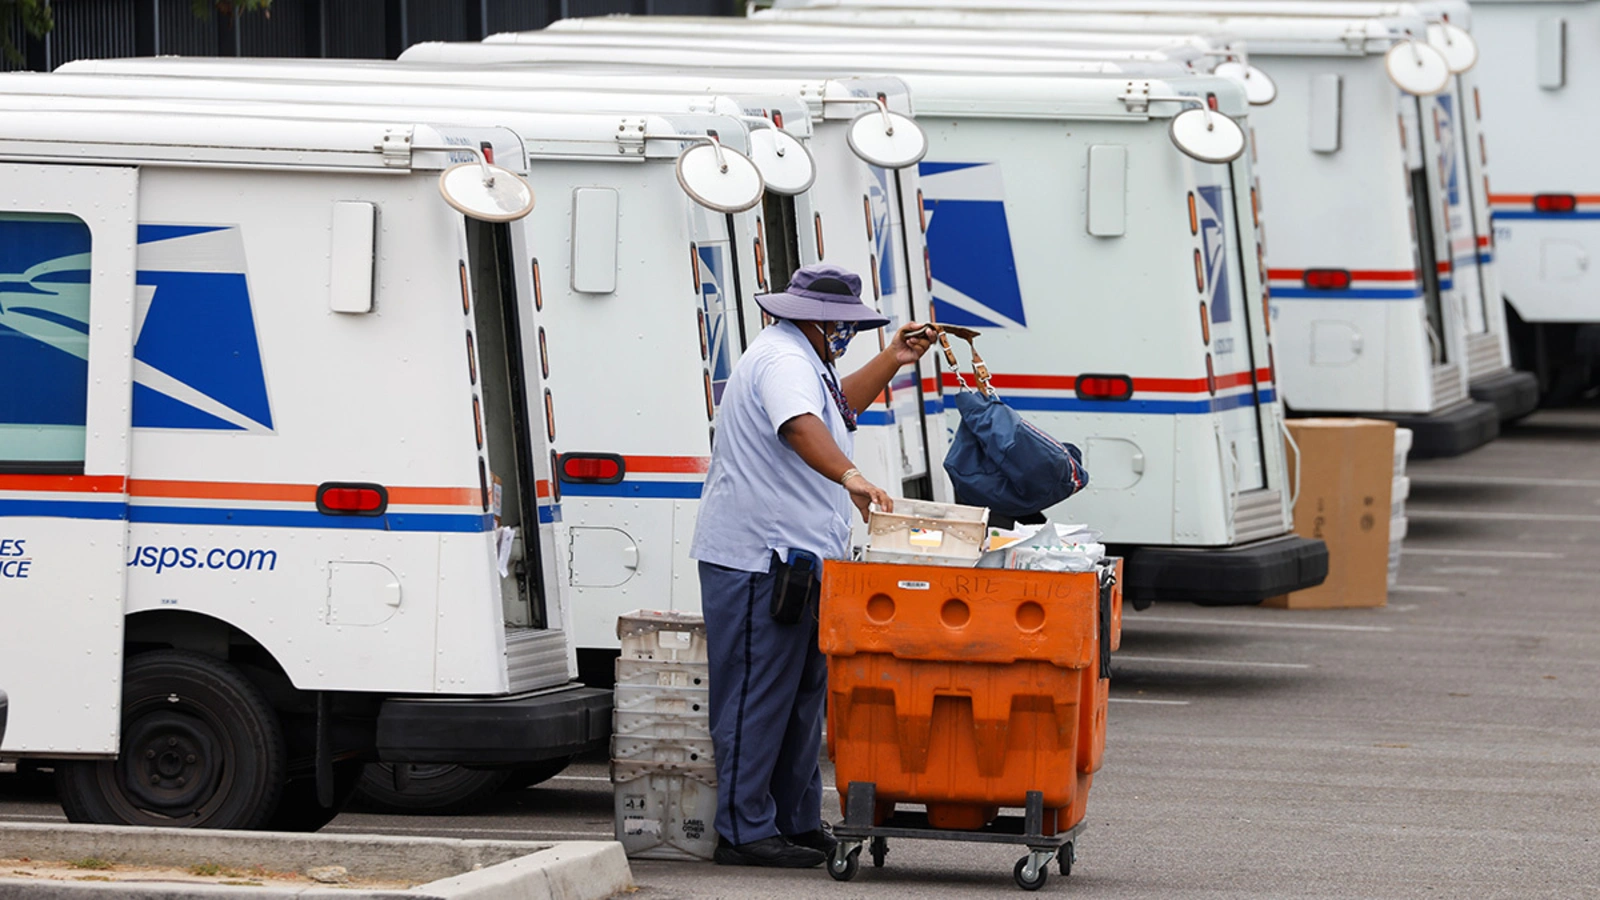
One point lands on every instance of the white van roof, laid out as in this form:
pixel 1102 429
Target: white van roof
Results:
pixel 736 34
pixel 798 63
pixel 155 85
pixel 1181 47
pixel 121 133
pixel 1290 28
pixel 522 77
pixel 191 123
pixel 1074 88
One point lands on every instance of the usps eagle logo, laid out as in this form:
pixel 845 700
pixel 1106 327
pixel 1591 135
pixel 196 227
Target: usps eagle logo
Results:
pixel 1214 245
pixel 878 199
pixel 713 265
pixel 974 270
pixel 196 357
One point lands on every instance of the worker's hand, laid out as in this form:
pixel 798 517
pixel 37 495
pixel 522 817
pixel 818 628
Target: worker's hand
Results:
pixel 910 342
pixel 864 494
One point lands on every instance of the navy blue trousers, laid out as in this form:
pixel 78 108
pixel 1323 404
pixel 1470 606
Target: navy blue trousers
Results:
pixel 768 682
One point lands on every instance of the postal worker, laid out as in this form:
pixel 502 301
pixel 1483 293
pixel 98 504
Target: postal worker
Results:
pixel 777 501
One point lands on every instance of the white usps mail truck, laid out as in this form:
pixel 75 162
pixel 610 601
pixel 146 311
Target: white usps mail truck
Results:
pixel 1531 76
pixel 616 572
pixel 1409 357
pixel 856 213
pixel 1182 425
pixel 289 500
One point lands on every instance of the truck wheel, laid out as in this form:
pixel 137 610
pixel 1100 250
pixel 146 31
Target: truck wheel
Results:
pixel 430 789
pixel 299 809
pixel 201 748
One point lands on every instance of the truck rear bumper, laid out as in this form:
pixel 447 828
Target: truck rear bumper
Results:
pixel 1451 432
pixel 1243 575
pixel 494 731
pixel 1514 394
pixel 3 704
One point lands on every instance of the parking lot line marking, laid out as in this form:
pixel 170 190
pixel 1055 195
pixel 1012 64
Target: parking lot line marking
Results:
pixel 1150 702
pixel 1208 662
pixel 1419 589
pixel 1466 570
pixel 1487 554
pixel 542 835
pixel 1245 623
pixel 1524 480
pixel 1486 516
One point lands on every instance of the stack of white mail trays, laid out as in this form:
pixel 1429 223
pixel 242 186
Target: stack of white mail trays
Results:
pixel 661 760
pixel 1397 502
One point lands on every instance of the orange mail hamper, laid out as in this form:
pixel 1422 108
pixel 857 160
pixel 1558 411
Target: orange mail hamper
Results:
pixel 964 689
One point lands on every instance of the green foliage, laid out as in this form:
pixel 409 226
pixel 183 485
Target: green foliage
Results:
pixel 89 862
pixel 37 20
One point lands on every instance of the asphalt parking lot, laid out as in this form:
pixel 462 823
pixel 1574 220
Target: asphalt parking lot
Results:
pixel 1447 745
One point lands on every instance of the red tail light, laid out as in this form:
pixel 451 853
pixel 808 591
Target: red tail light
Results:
pixel 592 468
pixel 1555 203
pixel 1104 387
pixel 488 152
pixel 777 118
pixel 1211 101
pixel 1327 279
pixel 339 498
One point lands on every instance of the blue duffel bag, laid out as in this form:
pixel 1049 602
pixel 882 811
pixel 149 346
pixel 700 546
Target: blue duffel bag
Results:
pixel 1000 460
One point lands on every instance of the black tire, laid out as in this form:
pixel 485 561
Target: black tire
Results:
pixel 880 851
pixel 1066 858
pixel 299 809
pixel 524 777
pixel 201 748
pixel 844 866
pixel 1039 877
pixel 439 790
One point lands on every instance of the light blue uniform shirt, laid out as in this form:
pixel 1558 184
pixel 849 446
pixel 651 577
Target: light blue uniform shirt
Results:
pixel 760 497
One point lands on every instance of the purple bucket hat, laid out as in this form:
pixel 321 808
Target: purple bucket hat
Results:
pixel 822 293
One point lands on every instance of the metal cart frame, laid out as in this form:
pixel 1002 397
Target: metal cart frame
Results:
pixel 1026 830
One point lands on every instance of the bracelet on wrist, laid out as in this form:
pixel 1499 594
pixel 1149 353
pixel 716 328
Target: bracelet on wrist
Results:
pixel 849 474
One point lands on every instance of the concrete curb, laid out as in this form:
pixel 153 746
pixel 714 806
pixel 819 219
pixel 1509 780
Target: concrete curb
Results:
pixel 454 869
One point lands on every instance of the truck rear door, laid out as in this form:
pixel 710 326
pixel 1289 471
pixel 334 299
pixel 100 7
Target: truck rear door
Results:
pixel 1232 371
pixel 70 313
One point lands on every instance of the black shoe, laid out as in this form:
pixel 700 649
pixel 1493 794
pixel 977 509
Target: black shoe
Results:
pixel 820 839
pixel 774 853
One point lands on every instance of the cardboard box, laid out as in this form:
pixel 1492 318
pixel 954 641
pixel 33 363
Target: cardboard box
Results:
pixel 1347 471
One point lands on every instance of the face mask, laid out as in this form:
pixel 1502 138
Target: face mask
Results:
pixel 838 337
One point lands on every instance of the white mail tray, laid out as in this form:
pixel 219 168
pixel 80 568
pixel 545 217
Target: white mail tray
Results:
pixel 921 531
